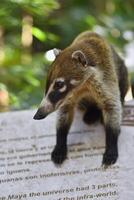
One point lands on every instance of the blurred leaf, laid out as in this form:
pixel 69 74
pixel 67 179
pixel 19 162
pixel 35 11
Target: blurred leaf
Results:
pixel 31 80
pixel 52 37
pixel 3 86
pixel 39 34
pixel 90 20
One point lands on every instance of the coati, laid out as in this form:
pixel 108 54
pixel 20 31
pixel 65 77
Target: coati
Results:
pixel 89 74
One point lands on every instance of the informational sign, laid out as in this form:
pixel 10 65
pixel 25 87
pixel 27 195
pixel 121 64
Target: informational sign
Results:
pixel 27 172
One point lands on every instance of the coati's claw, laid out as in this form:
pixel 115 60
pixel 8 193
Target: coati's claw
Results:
pixel 59 154
pixel 109 158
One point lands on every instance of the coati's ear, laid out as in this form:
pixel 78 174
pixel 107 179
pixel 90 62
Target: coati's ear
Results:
pixel 56 52
pixel 80 57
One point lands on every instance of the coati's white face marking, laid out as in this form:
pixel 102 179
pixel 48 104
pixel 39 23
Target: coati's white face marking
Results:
pixel 61 84
pixel 63 89
pixel 56 93
pixel 55 96
pixel 74 82
pixel 45 103
pixel 50 101
pixel 60 79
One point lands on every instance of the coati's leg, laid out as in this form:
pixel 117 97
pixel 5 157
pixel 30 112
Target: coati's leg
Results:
pixel 108 99
pixel 123 81
pixel 132 86
pixel 64 122
pixel 122 75
pixel 112 118
pixel 92 114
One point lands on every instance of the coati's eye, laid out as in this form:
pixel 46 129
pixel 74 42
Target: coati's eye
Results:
pixel 58 84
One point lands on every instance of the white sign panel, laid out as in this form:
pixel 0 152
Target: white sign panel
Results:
pixel 27 172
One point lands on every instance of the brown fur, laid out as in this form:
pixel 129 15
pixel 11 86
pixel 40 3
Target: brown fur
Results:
pixel 100 54
pixel 101 82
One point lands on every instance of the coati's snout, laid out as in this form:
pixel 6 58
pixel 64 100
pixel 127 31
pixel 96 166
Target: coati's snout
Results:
pixel 56 94
pixel 40 114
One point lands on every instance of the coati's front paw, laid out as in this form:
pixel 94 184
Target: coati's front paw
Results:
pixel 110 157
pixel 59 154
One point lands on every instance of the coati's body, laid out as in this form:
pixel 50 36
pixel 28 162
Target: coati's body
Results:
pixel 88 73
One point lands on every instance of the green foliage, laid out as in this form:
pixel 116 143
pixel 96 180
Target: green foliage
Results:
pixel 52 23
pixel 40 35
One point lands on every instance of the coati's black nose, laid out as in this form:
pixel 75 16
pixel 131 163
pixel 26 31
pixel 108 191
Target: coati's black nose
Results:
pixel 40 114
